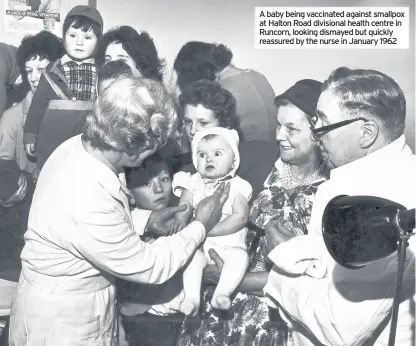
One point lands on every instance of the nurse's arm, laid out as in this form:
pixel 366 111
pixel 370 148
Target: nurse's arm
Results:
pixel 109 241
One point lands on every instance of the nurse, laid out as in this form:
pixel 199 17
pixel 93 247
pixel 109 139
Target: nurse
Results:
pixel 82 233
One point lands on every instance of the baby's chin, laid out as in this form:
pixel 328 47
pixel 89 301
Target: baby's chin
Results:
pixel 211 175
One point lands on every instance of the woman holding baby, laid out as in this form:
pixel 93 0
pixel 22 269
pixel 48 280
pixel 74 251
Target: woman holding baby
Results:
pixel 282 208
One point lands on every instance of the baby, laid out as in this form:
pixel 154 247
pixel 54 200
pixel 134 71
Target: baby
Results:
pixel 216 158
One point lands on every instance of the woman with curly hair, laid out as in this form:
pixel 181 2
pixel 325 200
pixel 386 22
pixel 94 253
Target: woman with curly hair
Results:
pixel 137 50
pixel 253 93
pixel 204 104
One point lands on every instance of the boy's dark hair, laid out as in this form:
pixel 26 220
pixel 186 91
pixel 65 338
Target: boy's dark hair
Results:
pixel 152 165
pixel 44 45
pixel 83 23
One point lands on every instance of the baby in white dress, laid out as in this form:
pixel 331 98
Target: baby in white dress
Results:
pixel 216 158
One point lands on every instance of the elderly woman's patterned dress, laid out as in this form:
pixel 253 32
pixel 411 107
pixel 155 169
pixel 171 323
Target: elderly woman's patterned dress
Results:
pixel 249 322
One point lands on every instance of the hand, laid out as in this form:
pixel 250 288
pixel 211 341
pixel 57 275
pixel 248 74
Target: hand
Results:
pixel 212 272
pixel 19 194
pixel 209 210
pixel 276 234
pixel 176 226
pixel 160 220
pixel 30 149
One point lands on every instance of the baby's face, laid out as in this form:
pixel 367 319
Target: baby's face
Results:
pixel 215 157
pixel 153 192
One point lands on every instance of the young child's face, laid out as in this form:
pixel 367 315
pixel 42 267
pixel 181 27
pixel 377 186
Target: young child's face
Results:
pixel 80 45
pixel 215 157
pixel 153 192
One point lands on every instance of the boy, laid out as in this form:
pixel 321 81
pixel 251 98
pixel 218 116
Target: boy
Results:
pixel 67 88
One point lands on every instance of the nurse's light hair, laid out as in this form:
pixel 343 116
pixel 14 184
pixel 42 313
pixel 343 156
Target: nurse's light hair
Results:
pixel 131 115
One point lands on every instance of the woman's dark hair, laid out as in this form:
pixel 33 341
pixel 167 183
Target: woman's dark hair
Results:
pixel 200 60
pixel 44 45
pixel 214 97
pixel 113 69
pixel 140 47
pixel 150 167
pixel 83 23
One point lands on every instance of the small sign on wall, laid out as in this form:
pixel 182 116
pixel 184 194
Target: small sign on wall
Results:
pixel 32 16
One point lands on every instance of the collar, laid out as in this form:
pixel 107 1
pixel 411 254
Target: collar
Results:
pixel 107 178
pixel 319 178
pixel 66 58
pixel 385 154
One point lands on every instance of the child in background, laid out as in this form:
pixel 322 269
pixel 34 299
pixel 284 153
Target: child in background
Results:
pixel 216 158
pixel 151 188
pixel 67 88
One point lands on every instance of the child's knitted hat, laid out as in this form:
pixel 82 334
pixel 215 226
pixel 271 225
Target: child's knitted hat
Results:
pixel 87 12
pixel 230 135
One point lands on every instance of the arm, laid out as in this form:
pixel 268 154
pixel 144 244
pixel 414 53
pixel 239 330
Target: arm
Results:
pixel 102 235
pixel 182 217
pixel 347 306
pixel 36 111
pixel 3 94
pixel 106 239
pixel 252 283
pixel 9 123
pixel 186 198
pixel 234 222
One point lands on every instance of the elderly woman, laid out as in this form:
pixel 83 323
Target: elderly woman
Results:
pixel 137 50
pixel 254 94
pixel 283 208
pixel 81 232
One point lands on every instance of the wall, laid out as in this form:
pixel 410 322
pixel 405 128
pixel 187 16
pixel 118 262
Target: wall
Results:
pixel 173 23
pixel 15 38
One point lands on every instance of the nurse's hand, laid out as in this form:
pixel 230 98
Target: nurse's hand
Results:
pixel 209 210
pixel 159 221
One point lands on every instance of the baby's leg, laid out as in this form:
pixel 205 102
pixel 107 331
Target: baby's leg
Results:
pixel 235 267
pixel 192 279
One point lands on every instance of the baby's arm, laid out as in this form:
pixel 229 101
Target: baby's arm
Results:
pixel 234 222
pixel 182 218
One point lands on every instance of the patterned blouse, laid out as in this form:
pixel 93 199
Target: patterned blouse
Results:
pixel 292 206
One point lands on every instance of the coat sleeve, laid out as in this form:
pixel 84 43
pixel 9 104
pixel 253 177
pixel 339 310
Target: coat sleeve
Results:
pixel 9 124
pixel 107 239
pixel 37 110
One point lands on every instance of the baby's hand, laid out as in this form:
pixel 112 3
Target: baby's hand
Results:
pixel 176 226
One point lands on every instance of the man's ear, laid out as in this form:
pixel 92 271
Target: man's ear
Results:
pixel 369 133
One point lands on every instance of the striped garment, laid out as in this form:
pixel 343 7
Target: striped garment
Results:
pixel 82 79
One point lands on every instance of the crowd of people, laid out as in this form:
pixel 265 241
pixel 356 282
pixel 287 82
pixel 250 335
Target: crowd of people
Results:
pixel 120 198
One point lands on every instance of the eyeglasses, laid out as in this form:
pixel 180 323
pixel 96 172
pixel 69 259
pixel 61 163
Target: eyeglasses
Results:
pixel 319 132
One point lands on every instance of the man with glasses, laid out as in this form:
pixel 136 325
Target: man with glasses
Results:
pixel 360 125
